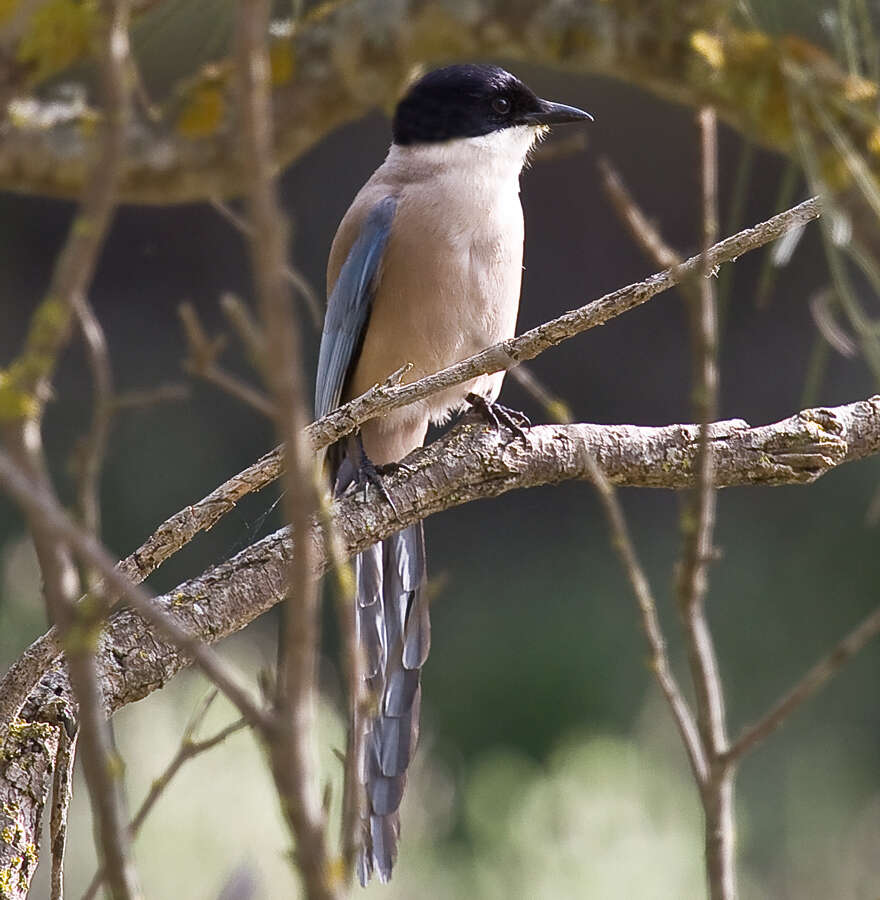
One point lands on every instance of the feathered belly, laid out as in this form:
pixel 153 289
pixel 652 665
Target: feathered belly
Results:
pixel 433 322
pixel 444 293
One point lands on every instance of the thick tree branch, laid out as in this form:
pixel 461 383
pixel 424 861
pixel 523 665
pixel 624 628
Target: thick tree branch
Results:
pixel 330 69
pixel 190 521
pixel 471 462
pixel 37 502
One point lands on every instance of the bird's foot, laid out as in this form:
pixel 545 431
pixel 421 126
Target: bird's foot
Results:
pixel 392 468
pixel 499 416
pixel 369 473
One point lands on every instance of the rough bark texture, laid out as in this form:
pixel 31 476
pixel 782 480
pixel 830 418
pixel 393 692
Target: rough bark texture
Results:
pixel 184 525
pixel 470 462
pixel 27 759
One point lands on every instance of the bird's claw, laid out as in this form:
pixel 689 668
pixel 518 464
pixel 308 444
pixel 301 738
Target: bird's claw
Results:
pixel 369 473
pixel 499 416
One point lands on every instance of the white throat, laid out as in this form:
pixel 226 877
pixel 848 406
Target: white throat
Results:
pixel 500 154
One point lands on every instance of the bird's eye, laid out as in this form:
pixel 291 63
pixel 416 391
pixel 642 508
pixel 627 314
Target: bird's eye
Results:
pixel 501 105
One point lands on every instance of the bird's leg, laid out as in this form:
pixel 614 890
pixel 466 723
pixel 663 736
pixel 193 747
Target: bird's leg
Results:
pixel 499 416
pixel 369 473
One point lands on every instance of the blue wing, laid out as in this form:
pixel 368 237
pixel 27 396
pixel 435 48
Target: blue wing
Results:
pixel 393 616
pixel 348 308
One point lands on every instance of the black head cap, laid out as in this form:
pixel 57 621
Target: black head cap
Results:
pixel 471 100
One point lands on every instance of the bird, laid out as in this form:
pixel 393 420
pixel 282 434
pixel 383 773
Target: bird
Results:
pixel 425 270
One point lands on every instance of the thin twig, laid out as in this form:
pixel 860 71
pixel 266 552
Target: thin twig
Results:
pixel 62 789
pixel 623 546
pixel 353 666
pixel 183 526
pixel 239 317
pixel 697 527
pixel 100 760
pixel 829 329
pixel 812 681
pixel 189 749
pixel 646 235
pixel 290 748
pixel 39 503
pixel 295 278
pixel 90 459
pixel 49 332
pixel 554 406
pixel 202 361
pixel 141 399
pixel 698 512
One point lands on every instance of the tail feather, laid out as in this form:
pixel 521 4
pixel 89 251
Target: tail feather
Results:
pixel 371 634
pixel 397 737
pixel 394 630
pixel 417 637
pixel 384 834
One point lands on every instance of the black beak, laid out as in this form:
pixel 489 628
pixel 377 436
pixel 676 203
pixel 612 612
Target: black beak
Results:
pixel 549 113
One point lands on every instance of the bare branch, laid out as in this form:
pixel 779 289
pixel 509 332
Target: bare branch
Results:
pixel 239 317
pixel 470 463
pixel 646 235
pixel 295 278
pixel 162 393
pixel 508 354
pixel 189 749
pixel 698 512
pixel 202 361
pixel 290 746
pixel 39 503
pixel 795 451
pixel 353 666
pixel 554 406
pixel 90 458
pixel 62 789
pixel 626 551
pixel 25 388
pixel 812 681
pixel 697 528
pixel 185 525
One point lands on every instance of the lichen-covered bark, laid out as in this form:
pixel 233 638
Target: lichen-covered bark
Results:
pixel 27 756
pixel 471 462
pixel 337 65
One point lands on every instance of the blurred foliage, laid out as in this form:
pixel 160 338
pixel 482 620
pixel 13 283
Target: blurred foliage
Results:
pixel 600 816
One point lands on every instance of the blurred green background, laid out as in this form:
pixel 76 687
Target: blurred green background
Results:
pixel 548 765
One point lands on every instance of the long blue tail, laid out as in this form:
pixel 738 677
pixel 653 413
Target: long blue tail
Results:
pixel 394 630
